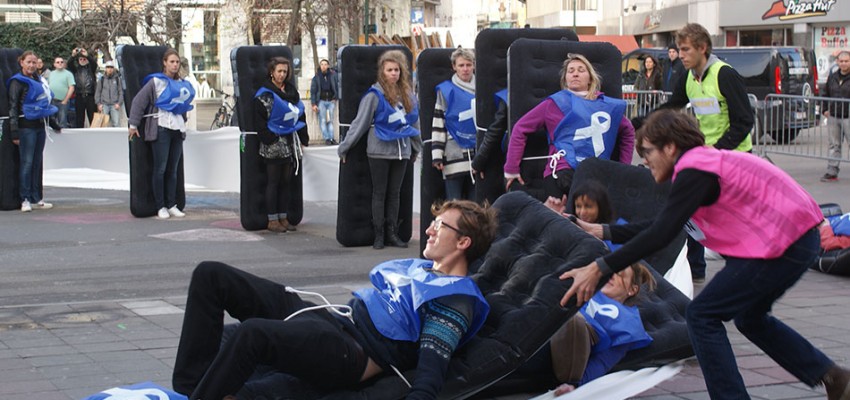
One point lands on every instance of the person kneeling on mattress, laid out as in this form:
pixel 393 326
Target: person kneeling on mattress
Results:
pixel 415 316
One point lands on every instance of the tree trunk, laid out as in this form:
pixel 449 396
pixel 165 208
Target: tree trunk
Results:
pixel 234 29
pixel 293 23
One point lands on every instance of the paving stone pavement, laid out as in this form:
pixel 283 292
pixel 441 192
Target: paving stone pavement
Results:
pixel 70 349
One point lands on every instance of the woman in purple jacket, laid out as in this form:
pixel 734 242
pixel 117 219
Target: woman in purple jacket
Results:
pixel 580 122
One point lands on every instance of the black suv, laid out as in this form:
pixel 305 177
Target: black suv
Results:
pixel 766 70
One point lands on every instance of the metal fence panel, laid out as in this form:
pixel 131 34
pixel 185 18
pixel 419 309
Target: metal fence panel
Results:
pixel 796 126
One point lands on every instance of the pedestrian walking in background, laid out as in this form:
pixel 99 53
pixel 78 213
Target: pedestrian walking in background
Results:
pixel 324 91
pixel 837 113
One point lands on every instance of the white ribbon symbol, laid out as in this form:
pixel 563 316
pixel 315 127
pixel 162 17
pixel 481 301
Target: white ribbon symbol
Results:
pixel 134 394
pixel 184 95
pixel 292 114
pixel 398 115
pixel 468 114
pixel 600 122
pixel 608 310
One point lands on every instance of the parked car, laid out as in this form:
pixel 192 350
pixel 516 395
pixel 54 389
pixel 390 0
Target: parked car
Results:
pixel 766 70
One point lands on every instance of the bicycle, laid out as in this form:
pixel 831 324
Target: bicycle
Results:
pixel 224 114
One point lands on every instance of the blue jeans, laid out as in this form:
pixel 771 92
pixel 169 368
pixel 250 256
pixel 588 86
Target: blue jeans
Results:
pixel 31 148
pixel 167 150
pixel 114 115
pixel 460 188
pixel 326 119
pixel 62 115
pixel 745 290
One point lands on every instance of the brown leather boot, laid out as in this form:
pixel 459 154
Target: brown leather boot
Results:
pixel 837 383
pixel 275 226
pixel 287 225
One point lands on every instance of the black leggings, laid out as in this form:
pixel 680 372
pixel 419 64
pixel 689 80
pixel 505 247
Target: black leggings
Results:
pixel 387 177
pixel 312 346
pixel 278 179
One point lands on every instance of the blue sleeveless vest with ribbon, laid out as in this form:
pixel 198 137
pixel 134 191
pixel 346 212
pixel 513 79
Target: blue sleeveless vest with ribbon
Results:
pixel 284 117
pixel 400 289
pixel 145 390
pixel 36 104
pixel 615 323
pixel 575 137
pixel 177 96
pixel 460 121
pixel 392 123
pixel 840 224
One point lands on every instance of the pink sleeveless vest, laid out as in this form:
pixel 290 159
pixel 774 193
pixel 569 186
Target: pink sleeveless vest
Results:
pixel 760 212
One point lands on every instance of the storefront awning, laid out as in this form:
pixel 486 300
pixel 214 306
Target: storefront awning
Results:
pixel 625 43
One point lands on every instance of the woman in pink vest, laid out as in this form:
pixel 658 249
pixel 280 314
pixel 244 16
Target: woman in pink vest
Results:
pixel 752 213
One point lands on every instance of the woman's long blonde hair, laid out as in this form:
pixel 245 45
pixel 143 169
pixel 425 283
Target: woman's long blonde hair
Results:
pixel 402 91
pixel 595 80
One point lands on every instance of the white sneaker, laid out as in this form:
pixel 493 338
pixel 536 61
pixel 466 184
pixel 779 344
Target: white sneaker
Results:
pixel 175 212
pixel 163 213
pixel 26 206
pixel 42 205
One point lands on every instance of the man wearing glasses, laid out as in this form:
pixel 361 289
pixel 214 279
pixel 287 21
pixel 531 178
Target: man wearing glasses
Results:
pixel 416 315
pixel 61 83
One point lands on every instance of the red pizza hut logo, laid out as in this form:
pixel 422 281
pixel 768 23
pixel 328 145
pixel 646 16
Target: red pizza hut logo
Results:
pixel 794 9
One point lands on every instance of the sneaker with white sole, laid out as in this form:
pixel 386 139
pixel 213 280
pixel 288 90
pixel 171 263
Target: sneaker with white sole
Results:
pixel 163 213
pixel 175 212
pixel 43 205
pixel 26 206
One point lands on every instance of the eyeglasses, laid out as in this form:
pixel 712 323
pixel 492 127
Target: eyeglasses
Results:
pixel 438 224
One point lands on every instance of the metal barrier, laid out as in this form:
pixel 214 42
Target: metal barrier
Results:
pixel 641 102
pixel 795 126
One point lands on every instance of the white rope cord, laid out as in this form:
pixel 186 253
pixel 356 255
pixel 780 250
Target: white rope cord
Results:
pixel 335 308
pixel 553 163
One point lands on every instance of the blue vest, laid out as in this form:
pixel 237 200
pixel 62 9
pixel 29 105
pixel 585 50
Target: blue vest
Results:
pixel 615 323
pixel 145 390
pixel 36 105
pixel 284 117
pixel 459 114
pixel 575 137
pixel 840 224
pixel 392 123
pixel 177 96
pixel 400 289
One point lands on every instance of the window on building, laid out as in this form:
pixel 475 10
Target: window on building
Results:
pixel 759 37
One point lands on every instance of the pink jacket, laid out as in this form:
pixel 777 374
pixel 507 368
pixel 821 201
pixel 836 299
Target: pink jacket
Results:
pixel 761 210
pixel 547 115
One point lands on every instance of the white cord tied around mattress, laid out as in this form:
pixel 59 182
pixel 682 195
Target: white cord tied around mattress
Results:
pixel 298 153
pixel 334 308
pixel 553 162
pixel 469 160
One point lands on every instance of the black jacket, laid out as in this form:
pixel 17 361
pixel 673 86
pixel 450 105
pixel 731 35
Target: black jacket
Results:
pixel 17 92
pixel 838 86
pixel 85 76
pixel 676 71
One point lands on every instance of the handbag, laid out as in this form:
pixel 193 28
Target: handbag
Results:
pixel 99 120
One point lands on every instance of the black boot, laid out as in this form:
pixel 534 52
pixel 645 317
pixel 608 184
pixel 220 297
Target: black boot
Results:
pixel 392 236
pixel 379 237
